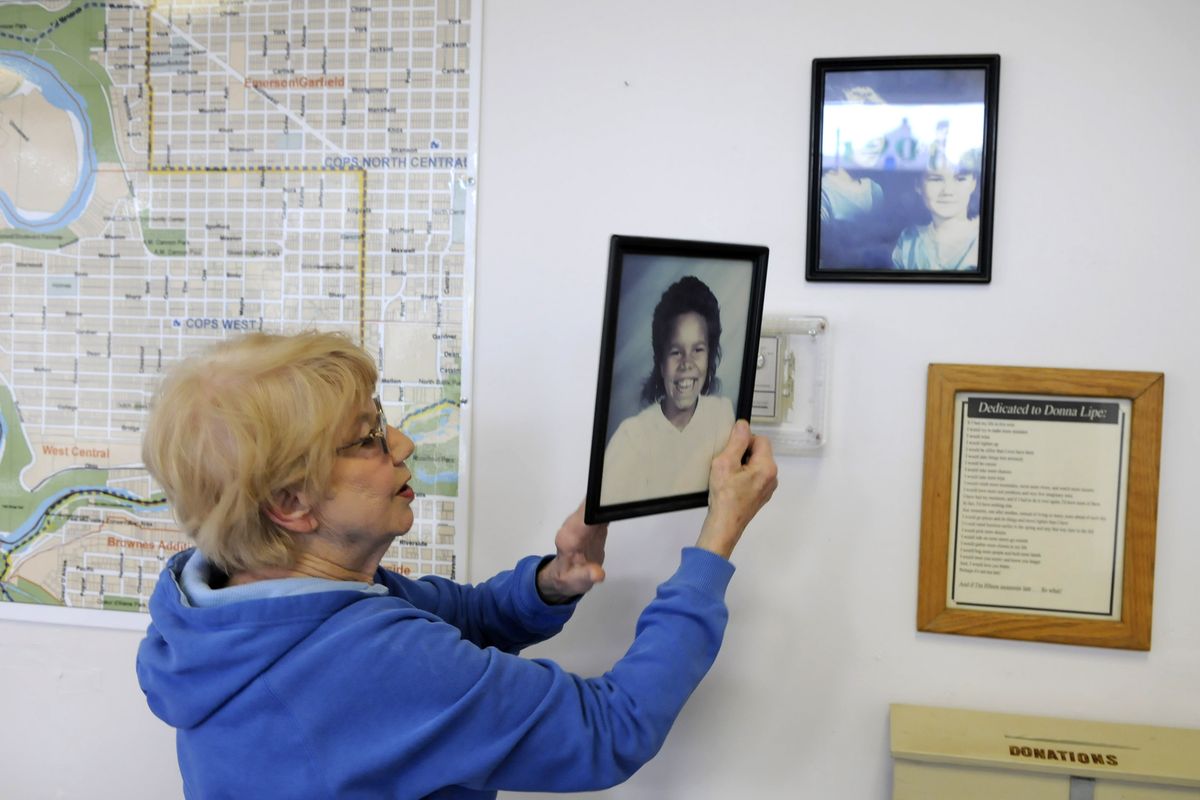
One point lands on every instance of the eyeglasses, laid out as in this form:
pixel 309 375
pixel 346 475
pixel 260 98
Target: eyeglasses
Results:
pixel 378 432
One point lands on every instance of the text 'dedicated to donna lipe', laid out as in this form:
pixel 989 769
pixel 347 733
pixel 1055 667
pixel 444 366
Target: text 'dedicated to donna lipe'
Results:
pixel 1038 495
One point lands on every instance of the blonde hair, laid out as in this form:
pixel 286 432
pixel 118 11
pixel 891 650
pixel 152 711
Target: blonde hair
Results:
pixel 233 426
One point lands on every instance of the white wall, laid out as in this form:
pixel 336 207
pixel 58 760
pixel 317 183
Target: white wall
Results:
pixel 689 118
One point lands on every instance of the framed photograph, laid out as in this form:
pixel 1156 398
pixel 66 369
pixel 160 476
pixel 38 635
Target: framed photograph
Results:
pixel 1039 504
pixel 902 164
pixel 678 359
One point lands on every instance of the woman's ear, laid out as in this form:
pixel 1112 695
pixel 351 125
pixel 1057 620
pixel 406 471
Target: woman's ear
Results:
pixel 290 510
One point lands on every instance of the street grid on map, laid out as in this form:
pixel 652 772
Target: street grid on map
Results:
pixel 284 165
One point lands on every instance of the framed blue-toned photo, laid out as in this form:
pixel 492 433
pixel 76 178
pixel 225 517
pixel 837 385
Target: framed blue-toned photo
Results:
pixel 902 168
pixel 678 360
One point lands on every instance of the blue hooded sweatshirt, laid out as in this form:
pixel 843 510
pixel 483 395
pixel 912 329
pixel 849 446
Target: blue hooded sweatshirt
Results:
pixel 412 689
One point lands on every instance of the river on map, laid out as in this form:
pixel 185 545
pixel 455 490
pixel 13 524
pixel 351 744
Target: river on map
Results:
pixel 37 519
pixel 46 80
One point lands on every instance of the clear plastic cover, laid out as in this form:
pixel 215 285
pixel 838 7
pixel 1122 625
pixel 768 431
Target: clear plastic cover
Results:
pixel 791 387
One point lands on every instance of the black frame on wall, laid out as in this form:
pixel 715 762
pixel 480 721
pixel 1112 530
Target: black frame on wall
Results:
pixel 902 158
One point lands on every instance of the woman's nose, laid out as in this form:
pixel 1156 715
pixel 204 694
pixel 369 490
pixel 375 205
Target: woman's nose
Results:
pixel 400 446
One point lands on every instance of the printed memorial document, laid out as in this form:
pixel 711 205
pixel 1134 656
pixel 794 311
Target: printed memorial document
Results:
pixel 1038 500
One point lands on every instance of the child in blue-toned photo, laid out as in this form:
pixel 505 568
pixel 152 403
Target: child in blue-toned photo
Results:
pixel 901 164
pixel 950 240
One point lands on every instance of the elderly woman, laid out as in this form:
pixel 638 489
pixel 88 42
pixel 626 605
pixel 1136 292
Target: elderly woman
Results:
pixel 666 448
pixel 293 666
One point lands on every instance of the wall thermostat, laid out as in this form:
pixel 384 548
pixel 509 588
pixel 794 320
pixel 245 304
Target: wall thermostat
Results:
pixel 790 384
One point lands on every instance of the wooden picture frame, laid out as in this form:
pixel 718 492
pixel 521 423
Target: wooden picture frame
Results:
pixel 654 435
pixel 902 165
pixel 957 392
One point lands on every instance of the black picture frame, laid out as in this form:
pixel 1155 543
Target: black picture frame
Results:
pixel 640 271
pixel 895 144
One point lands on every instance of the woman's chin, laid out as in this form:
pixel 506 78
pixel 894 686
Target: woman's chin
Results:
pixel 682 404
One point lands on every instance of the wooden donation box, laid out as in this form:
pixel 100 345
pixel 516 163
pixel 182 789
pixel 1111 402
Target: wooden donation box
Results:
pixel 951 754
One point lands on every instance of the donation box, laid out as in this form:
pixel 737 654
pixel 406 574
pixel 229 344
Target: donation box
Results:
pixel 952 754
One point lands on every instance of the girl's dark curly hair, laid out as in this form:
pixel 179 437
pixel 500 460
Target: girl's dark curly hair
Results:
pixel 688 294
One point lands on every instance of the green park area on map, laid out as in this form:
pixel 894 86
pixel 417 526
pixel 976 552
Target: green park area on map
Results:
pixel 64 40
pixel 166 242
pixel 56 240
